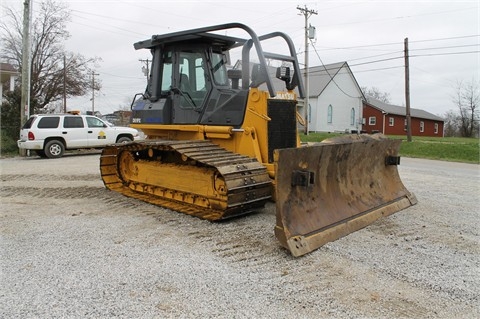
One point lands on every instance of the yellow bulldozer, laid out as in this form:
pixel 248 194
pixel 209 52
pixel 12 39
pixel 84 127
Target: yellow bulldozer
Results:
pixel 223 140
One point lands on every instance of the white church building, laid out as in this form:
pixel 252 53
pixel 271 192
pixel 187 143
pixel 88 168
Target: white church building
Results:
pixel 335 99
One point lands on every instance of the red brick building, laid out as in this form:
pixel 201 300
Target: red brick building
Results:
pixel 391 120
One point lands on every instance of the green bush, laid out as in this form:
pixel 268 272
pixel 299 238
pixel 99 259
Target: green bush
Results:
pixel 8 145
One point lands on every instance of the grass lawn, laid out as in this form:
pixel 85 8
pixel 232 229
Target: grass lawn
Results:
pixel 454 149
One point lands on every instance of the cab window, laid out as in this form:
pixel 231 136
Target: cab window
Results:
pixel 48 122
pixel 94 122
pixel 193 79
pixel 219 69
pixel 73 122
pixel 167 72
pixel 29 122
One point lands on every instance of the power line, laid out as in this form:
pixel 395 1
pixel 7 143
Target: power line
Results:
pixel 115 18
pixel 374 56
pixel 93 91
pixel 377 61
pixel 449 47
pixel 400 43
pixel 401 17
pixel 97 28
pixel 121 76
pixel 331 77
pixel 412 56
pixel 447 53
pixel 325 69
pixel 380 69
pixel 162 12
pixel 450 38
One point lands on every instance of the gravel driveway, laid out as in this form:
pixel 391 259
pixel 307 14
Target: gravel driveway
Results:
pixel 72 249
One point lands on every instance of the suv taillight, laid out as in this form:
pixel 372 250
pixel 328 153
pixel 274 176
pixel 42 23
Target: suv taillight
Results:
pixel 31 136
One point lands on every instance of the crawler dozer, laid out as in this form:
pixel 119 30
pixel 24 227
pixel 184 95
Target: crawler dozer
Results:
pixel 223 140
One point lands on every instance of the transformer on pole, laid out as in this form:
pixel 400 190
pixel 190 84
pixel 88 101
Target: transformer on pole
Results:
pixel 309 32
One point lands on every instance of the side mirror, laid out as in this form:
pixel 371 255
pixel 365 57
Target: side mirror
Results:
pixel 283 73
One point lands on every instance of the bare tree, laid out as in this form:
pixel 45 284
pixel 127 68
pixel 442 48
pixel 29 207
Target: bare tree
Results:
pixel 376 94
pixel 452 123
pixel 49 74
pixel 466 99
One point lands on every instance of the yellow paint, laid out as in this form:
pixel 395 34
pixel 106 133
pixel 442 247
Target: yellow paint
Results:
pixel 200 188
pixel 250 140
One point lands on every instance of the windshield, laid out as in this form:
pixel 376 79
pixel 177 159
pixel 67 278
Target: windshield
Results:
pixel 219 70
pixel 167 72
pixel 94 122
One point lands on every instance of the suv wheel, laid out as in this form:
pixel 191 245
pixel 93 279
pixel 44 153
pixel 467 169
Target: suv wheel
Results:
pixel 54 149
pixel 124 139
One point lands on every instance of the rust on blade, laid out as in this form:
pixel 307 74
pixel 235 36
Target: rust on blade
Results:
pixel 326 191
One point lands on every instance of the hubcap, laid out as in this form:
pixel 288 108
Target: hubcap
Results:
pixel 55 149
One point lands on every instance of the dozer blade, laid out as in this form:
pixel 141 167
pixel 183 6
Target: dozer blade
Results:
pixel 334 188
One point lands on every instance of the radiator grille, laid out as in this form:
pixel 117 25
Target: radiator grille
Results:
pixel 282 129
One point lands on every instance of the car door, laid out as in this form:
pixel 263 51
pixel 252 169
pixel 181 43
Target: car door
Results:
pixel 74 132
pixel 99 133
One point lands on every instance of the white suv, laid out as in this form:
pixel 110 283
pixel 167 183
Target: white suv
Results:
pixel 49 135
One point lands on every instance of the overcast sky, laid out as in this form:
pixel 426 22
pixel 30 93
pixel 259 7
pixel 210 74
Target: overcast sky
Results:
pixel 444 41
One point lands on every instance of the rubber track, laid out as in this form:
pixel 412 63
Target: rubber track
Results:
pixel 248 183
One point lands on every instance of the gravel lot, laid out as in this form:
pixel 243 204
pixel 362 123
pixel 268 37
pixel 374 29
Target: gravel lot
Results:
pixel 72 249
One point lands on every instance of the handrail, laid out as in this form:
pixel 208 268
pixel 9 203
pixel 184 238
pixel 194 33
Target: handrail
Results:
pixel 247 45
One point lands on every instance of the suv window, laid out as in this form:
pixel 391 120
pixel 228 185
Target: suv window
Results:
pixel 48 122
pixel 73 122
pixel 29 122
pixel 94 122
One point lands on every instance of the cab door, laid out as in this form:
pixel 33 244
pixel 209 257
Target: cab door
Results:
pixel 98 132
pixel 74 132
pixel 192 85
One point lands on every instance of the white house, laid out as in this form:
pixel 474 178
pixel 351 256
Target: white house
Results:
pixel 335 99
pixel 8 75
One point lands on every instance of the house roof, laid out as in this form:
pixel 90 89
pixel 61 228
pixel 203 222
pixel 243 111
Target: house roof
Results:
pixel 400 110
pixel 8 68
pixel 321 76
pixel 6 72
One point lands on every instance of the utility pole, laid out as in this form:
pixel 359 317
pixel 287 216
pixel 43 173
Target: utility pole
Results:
pixel 93 91
pixel 307 13
pixel 407 92
pixel 146 71
pixel 64 84
pixel 25 99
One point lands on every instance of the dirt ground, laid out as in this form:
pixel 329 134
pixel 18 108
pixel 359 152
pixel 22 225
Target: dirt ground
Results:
pixel 72 249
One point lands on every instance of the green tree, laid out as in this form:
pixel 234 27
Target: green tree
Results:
pixel 10 120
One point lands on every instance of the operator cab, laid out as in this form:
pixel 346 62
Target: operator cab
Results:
pixel 189 84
